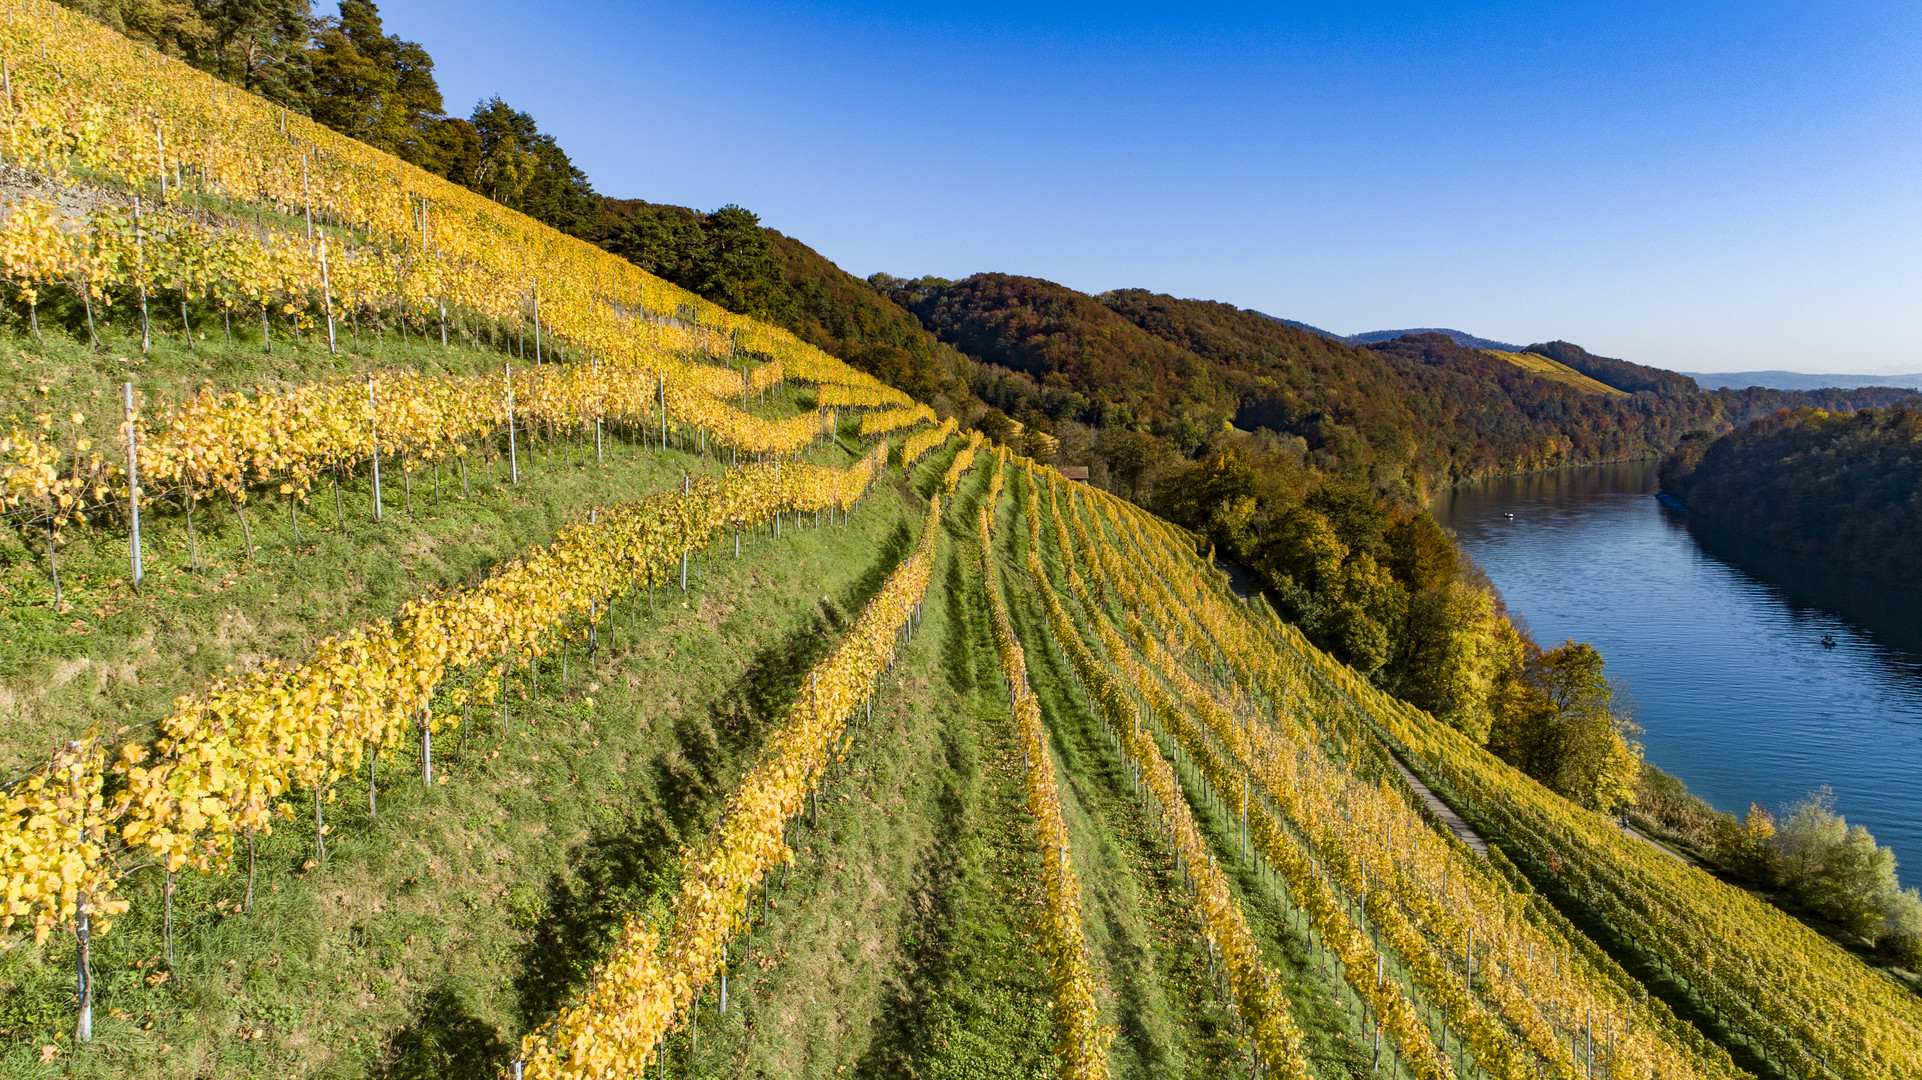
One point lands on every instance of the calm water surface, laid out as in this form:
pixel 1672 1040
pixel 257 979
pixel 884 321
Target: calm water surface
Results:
pixel 1737 694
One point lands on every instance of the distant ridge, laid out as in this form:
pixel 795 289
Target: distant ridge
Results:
pixel 1466 340
pixel 1797 380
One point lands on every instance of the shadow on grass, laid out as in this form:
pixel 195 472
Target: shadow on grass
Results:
pixel 445 1040
pixel 905 1026
pixel 630 863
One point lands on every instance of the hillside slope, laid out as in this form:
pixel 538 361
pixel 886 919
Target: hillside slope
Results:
pixel 1554 370
pixel 1619 374
pixel 1841 488
pixel 695 731
pixel 1401 417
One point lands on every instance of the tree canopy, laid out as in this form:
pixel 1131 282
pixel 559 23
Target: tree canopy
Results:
pixel 1844 488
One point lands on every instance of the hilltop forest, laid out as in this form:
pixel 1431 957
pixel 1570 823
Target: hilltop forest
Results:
pixel 1839 487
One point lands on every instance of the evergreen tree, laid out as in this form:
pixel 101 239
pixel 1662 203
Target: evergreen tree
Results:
pixel 374 86
pixel 523 169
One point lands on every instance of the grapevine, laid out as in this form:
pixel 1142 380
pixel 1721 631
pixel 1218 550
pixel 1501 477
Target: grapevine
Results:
pixel 652 976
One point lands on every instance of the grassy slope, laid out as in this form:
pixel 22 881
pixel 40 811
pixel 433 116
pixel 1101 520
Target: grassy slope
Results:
pixel 115 653
pixel 458 916
pixel 903 945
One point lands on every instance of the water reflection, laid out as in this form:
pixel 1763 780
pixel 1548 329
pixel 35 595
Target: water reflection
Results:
pixel 1721 646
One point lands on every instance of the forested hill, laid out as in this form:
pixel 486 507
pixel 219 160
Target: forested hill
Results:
pixel 1187 376
pixel 1306 459
pixel 1619 374
pixel 1845 488
pixel 730 258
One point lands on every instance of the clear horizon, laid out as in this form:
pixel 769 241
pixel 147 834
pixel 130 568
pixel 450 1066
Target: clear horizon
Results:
pixel 1699 187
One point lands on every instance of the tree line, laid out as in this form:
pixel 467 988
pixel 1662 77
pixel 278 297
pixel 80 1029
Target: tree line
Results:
pixel 1843 488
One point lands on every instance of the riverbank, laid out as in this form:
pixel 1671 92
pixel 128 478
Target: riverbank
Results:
pixel 1736 693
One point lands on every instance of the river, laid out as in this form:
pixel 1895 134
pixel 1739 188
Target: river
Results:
pixel 1736 692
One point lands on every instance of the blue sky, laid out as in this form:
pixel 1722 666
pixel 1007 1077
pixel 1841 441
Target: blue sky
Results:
pixel 1699 186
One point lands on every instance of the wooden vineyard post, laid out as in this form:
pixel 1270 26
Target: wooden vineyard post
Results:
pixel 426 747
pixel 535 287
pixel 53 565
pixel 320 830
pixel 133 489
pixel 373 424
pixel 593 637
pixel 513 454
pixel 167 918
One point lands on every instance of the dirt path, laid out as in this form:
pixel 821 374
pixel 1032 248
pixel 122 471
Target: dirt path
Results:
pixel 1447 815
pixel 1657 845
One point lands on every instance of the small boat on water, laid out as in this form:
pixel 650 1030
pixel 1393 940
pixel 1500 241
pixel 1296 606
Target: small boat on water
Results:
pixel 1671 502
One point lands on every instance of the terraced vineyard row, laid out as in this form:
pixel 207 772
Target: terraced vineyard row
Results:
pixel 223 760
pixel 1083 1043
pixel 87 102
pixel 1277 1040
pixel 238 445
pixel 657 973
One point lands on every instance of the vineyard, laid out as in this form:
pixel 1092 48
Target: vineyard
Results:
pixel 467 655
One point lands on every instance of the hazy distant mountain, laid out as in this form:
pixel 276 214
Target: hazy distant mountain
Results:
pixel 1372 337
pixel 1467 341
pixel 1300 326
pixel 1797 380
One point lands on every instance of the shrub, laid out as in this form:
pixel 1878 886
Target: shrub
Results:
pixel 1835 868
